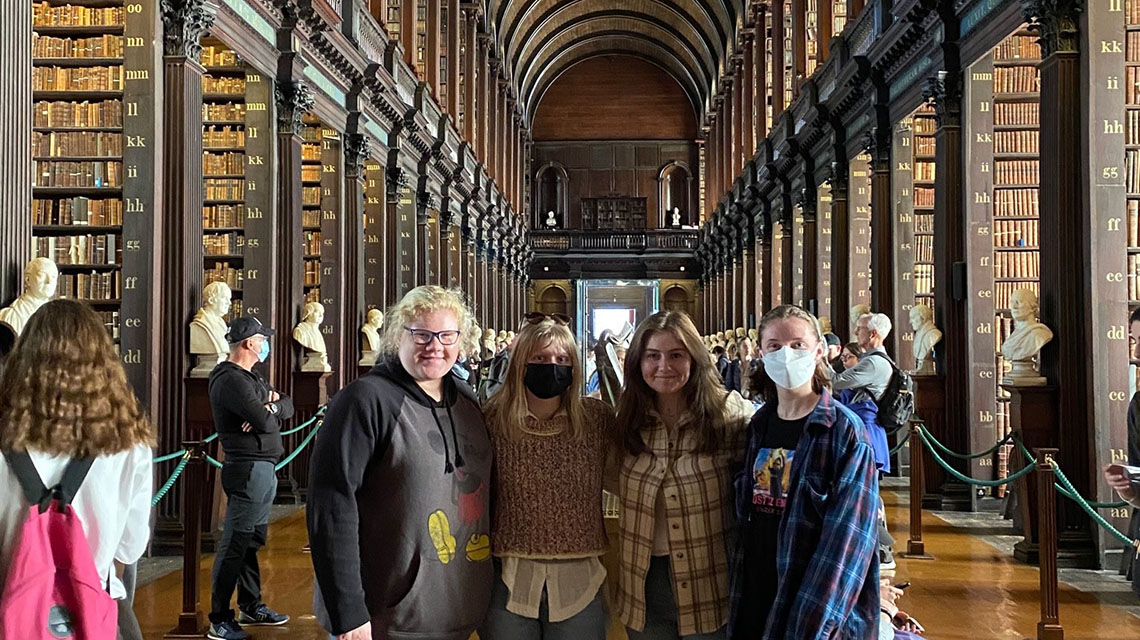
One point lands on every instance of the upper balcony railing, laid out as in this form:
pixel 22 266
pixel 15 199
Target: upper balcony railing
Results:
pixel 614 241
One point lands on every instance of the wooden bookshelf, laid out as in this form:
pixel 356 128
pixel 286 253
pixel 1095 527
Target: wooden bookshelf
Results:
pixel 311 206
pixel 1132 145
pixel 789 55
pixel 375 237
pixel 797 265
pixel 925 125
pixel 78 144
pixel 859 252
pixel 779 263
pixel 223 171
pixel 903 199
pixel 839 17
pixel 823 251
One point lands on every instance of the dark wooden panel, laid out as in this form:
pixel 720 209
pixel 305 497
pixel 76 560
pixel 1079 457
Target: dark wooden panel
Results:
pixel 332 252
pixel 602 156
pixel 261 250
pixel 902 159
pixel 625 182
pixel 623 155
pixel 649 156
pixel 16 168
pixel 614 98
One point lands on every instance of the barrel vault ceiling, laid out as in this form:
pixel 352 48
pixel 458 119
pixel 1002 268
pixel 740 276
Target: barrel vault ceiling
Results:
pixel 689 39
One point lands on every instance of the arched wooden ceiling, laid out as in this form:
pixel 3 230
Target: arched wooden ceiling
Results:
pixel 689 39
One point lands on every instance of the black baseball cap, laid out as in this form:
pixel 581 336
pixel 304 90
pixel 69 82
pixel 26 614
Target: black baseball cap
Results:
pixel 831 339
pixel 246 327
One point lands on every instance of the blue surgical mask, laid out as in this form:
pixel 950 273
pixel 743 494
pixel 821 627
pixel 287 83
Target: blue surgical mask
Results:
pixel 263 353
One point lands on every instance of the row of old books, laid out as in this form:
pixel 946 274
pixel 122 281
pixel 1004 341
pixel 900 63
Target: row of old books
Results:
pixel 311 196
pixel 311 173
pixel 105 46
pixel 46 15
pixel 228 86
pixel 310 218
pixel 49 173
pixel 218 57
pixel 1016 114
pixel 1017 203
pixel 924 171
pixel 227 136
pixel 88 249
pixel 1015 233
pixel 1015 141
pixel 1016 80
pixel 1132 85
pixel 228 112
pixel 312 272
pixel 1016 172
pixel 90 286
pixel 61 113
pixel 1017 48
pixel 924 249
pixel 925 126
pixel 923 197
pixel 312 243
pixel 924 145
pixel 1132 170
pixel 77 78
pixel 223 244
pixel 924 223
pixel 224 272
pixel 923 279
pixel 1133 208
pixel 219 216
pixel 77 211
pixel 75 143
pixel 311 152
pixel 1132 47
pixel 1131 12
pixel 223 164
pixel 1016 264
pixel 1004 290
pixel 1134 277
pixel 225 189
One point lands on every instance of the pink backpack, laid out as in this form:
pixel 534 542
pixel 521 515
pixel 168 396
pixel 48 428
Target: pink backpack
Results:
pixel 53 590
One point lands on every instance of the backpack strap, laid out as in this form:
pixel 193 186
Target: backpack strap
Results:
pixel 33 486
pixel 885 357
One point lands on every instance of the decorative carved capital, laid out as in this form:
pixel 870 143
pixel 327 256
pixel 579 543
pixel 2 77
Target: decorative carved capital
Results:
pixel 357 148
pixel 395 178
pixel 944 92
pixel 293 100
pixel 1057 23
pixel 183 23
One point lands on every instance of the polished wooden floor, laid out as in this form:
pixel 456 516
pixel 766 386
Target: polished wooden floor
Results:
pixel 971 591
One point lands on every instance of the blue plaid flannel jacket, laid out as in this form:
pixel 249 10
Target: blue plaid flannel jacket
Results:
pixel 827 556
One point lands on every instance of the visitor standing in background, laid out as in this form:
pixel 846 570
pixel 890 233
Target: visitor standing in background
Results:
pixel 868 379
pixel 547 532
pixel 680 436
pixel 66 397
pixel 740 369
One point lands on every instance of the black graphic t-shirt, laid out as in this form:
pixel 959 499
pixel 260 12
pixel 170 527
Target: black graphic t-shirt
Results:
pixel 771 472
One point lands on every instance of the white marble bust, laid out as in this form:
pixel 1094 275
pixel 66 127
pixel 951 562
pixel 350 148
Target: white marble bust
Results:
pixel 1023 345
pixel 40 279
pixel 676 216
pixel 488 344
pixel 208 329
pixel 825 324
pixel 926 335
pixel 307 333
pixel 373 323
pixel 551 221
pixel 857 311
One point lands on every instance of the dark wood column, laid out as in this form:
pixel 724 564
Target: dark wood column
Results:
pixel 840 248
pixel 787 257
pixel 726 139
pixel 1068 250
pixel 408 32
pixel 425 203
pixel 742 120
pixel 470 83
pixel 883 236
pixel 431 48
pixel 711 147
pixel 494 123
pixel 760 72
pixel 799 44
pixel 748 273
pixel 356 152
pixel 766 268
pixel 777 70
pixel 181 247
pixel 455 23
pixel 484 107
pixel 293 100
pixel 810 248
pixel 751 108
pixel 825 23
pixel 15 168
pixel 853 9
pixel 949 248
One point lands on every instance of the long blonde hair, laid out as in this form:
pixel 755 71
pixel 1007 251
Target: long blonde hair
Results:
pixel 704 392
pixel 65 391
pixel 506 411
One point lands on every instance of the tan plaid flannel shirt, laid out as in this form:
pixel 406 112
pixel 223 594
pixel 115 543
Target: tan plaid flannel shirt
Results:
pixel 698 492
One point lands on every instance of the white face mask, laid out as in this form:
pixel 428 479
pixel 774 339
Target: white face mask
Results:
pixel 790 368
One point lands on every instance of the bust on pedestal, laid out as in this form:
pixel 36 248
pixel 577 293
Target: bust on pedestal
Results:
pixel 488 344
pixel 825 324
pixel 208 329
pixel 676 222
pixel 373 323
pixel 40 279
pixel 307 333
pixel 551 221
pixel 857 311
pixel 926 335
pixel 1023 345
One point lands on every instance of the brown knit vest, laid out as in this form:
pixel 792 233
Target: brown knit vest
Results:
pixel 548 489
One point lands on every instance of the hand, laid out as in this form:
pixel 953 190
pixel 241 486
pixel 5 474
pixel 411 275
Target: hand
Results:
pixel 363 632
pixel 274 396
pixel 889 594
pixel 906 623
pixel 1116 478
pixel 245 426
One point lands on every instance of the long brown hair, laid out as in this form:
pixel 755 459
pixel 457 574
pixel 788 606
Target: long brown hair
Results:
pixel 704 392
pixel 64 389
pixel 506 411
pixel 762 386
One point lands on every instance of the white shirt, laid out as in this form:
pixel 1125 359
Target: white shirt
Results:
pixel 113 503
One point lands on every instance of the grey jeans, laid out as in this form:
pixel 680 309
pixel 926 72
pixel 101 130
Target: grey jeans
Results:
pixel 250 487
pixel 500 624
pixel 128 623
pixel 661 607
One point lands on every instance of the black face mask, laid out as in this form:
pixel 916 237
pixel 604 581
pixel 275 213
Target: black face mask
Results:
pixel 548 380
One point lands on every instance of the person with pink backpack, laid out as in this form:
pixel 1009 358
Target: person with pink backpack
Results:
pixel 75 476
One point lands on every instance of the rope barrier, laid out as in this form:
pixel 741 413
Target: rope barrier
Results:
pixel 304 443
pixel 1076 497
pixel 214 462
pixel 964 478
pixel 214 436
pixel 173 477
pixel 169 456
pixel 901 444
pixel 972 456
pixel 1065 492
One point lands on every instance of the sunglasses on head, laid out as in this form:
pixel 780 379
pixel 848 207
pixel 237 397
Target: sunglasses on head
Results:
pixel 537 317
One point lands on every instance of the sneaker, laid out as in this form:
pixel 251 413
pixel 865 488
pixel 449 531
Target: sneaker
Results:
pixel 886 560
pixel 228 630
pixel 261 616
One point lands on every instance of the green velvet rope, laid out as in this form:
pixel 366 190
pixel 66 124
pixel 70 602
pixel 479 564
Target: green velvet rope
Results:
pixel 972 456
pixel 214 436
pixel 173 478
pixel 1071 492
pixel 964 478
pixel 1065 492
pixel 901 444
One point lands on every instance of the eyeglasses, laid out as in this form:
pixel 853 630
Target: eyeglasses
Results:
pixel 536 317
pixel 423 337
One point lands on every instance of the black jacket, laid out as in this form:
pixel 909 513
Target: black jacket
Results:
pixel 238 396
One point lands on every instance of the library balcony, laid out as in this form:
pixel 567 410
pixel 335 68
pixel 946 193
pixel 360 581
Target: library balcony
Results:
pixel 599 253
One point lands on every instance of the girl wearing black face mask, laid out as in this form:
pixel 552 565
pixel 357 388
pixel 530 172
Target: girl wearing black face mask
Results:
pixel 547 533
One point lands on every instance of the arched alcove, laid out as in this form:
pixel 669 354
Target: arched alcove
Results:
pixel 553 300
pixel 676 298
pixel 551 188
pixel 674 188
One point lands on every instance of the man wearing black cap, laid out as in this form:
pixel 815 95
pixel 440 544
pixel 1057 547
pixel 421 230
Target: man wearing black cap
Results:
pixel 834 349
pixel 247 415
